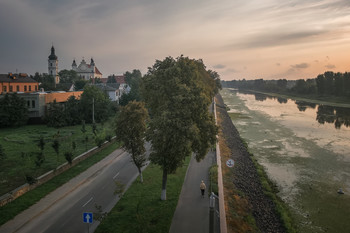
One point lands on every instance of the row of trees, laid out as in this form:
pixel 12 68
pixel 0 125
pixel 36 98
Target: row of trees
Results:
pixel 67 79
pixel 14 112
pixel 329 83
pixel 92 101
pixel 177 94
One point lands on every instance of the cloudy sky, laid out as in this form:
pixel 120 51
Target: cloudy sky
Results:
pixel 249 39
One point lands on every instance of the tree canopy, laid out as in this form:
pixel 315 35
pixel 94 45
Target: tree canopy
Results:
pixel 130 128
pixel 92 95
pixel 68 76
pixel 133 79
pixel 178 93
pixel 13 111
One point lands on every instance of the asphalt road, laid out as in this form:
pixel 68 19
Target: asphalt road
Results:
pixel 62 210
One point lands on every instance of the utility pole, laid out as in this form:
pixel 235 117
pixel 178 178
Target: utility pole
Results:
pixel 212 213
pixel 93 110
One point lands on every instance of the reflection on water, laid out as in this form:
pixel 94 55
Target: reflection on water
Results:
pixel 302 106
pixel 338 116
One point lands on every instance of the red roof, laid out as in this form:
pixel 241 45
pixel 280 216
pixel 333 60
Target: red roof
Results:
pixel 16 78
pixel 97 71
pixel 120 79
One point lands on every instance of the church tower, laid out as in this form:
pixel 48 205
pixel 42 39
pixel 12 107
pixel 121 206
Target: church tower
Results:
pixel 53 65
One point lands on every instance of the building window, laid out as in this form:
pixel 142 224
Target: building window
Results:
pixel 17 88
pixel 28 103
pixel 51 72
pixel 4 88
pixel 11 89
pixel 30 88
pixel 36 88
pixel 25 87
pixel 33 103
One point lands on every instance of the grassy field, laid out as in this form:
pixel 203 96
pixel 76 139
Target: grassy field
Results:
pixel 10 210
pixel 21 148
pixel 140 209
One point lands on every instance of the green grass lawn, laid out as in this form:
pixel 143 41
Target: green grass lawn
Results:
pixel 13 208
pixel 21 148
pixel 140 208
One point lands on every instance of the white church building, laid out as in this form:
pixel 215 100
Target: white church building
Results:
pixel 86 71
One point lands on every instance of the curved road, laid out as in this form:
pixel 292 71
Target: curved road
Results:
pixel 62 210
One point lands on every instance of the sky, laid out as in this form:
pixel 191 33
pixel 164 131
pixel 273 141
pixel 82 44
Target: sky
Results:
pixel 250 39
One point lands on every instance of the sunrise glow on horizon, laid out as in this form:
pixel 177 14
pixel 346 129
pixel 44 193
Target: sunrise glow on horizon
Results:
pixel 266 39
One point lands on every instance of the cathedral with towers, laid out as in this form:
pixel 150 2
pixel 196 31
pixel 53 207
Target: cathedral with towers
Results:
pixel 84 70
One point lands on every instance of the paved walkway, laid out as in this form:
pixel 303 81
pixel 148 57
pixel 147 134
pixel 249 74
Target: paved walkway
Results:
pixel 192 211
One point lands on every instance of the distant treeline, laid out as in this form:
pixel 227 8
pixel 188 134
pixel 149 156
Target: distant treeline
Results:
pixel 327 84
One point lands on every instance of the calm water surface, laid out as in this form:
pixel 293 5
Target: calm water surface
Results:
pixel 305 149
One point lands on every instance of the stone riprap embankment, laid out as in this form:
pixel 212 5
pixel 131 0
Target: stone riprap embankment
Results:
pixel 246 178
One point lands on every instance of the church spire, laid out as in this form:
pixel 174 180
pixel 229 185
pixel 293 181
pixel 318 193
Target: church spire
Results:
pixel 52 55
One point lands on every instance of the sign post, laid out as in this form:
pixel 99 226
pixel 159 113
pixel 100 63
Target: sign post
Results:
pixel 88 218
pixel 230 163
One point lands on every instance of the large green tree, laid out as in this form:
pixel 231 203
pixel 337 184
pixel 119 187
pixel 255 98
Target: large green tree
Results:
pixel 133 79
pixel 13 111
pixel 55 115
pixel 214 75
pixel 47 82
pixel 93 97
pixel 68 76
pixel 178 93
pixel 72 112
pixel 130 128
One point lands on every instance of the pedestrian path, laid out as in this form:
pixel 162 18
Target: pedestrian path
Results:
pixel 192 211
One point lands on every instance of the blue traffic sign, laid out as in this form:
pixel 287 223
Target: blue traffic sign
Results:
pixel 87 217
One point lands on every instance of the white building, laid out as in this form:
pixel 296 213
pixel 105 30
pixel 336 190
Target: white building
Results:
pixel 86 71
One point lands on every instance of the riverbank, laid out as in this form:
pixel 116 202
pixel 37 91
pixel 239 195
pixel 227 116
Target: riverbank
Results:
pixel 248 207
pixel 303 151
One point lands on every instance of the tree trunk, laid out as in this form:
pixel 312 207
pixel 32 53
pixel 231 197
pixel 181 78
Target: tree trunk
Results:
pixel 141 177
pixel 165 177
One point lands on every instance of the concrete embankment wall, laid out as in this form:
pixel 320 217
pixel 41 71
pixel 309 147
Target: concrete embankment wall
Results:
pixel 223 225
pixel 8 197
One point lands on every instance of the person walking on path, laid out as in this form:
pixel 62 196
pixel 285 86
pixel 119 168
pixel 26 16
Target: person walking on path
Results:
pixel 202 187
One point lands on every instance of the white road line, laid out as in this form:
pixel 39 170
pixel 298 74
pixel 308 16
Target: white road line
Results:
pixel 115 176
pixel 88 202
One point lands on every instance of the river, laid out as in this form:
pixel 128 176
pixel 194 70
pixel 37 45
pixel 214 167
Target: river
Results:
pixel 305 149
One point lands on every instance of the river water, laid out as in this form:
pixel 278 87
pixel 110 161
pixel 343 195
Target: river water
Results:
pixel 305 149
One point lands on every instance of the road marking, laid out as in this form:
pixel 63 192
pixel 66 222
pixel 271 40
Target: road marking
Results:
pixel 88 201
pixel 115 176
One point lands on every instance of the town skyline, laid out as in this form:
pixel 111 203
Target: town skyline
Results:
pixel 256 39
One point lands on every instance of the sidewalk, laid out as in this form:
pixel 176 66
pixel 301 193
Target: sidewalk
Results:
pixel 192 211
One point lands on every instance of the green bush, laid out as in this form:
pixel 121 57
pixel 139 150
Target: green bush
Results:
pixel 213 172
